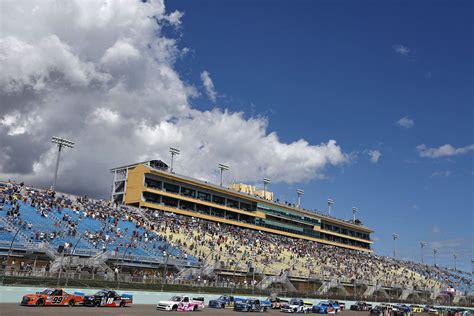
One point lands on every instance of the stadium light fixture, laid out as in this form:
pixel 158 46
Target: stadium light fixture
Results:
pixel 330 202
pixel 455 256
pixel 395 237
pixel 223 167
pixel 60 142
pixel 299 193
pixel 354 211
pixel 173 152
pixel 266 182
pixel 435 251
pixel 422 245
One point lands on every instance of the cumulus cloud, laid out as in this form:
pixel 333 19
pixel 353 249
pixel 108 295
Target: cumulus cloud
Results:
pixel 401 49
pixel 208 85
pixel 374 155
pixel 108 82
pixel 446 150
pixel 406 122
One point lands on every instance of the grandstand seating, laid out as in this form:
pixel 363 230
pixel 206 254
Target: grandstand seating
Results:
pixel 154 235
pixel 51 223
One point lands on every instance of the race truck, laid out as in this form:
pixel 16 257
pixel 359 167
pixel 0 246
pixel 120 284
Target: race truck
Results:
pixel 108 298
pixel 416 308
pixel 277 303
pixel 361 306
pixel 297 306
pixel 342 305
pixel 401 310
pixel 224 301
pixel 252 305
pixel 381 310
pixel 52 297
pixel 326 308
pixel 182 303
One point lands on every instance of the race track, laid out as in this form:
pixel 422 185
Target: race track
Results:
pixel 142 310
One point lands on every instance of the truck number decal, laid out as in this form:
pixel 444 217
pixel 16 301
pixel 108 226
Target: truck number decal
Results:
pixel 57 300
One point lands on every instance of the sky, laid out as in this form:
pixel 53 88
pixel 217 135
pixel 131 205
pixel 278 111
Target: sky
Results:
pixel 368 103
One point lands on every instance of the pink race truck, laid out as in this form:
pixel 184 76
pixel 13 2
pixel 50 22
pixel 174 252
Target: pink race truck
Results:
pixel 182 303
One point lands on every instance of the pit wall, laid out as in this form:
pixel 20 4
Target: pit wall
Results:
pixel 13 294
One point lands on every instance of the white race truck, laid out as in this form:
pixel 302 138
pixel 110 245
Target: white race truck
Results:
pixel 181 303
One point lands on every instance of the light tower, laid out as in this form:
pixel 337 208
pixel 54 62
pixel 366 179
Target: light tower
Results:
pixel 395 237
pixel 455 256
pixel 435 251
pixel 330 202
pixel 266 182
pixel 354 211
pixel 222 167
pixel 422 245
pixel 61 142
pixel 299 193
pixel 173 151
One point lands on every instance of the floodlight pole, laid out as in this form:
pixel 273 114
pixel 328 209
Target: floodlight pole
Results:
pixel 61 142
pixel 266 181
pixel 330 202
pixel 173 152
pixel 299 193
pixel 222 167
pixel 422 245
pixel 455 256
pixel 395 237
pixel 435 251
pixel 354 211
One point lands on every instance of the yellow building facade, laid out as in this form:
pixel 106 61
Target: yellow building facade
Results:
pixel 150 185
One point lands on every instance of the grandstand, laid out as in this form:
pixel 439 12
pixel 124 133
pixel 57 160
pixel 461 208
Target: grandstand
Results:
pixel 83 238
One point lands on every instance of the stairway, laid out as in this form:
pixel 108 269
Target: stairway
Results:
pixel 267 281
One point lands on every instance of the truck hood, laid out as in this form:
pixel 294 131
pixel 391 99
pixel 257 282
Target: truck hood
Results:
pixel 168 302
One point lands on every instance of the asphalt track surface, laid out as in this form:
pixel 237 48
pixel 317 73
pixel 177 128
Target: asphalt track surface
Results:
pixel 142 310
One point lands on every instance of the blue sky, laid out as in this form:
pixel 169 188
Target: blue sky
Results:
pixel 348 71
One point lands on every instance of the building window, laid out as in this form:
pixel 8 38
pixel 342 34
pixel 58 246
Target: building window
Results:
pixel 169 201
pixel 204 196
pixel 188 192
pixel 232 203
pixel 153 184
pixel 245 206
pixel 168 187
pixel 218 199
pixel 187 206
pixel 204 209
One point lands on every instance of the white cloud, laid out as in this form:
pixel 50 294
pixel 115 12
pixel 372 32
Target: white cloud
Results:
pixel 441 174
pixel 108 82
pixel 374 155
pixel 401 49
pixel 406 122
pixel 446 150
pixel 175 17
pixel 208 85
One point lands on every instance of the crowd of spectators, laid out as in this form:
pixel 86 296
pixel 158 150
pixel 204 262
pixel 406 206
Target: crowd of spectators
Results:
pixel 65 223
pixel 221 246
pixel 234 248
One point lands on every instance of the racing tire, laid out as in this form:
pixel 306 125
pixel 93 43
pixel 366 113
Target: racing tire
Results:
pixel 40 302
pixel 71 303
pixel 223 306
pixel 195 308
pixel 122 304
pixel 174 308
pixel 96 304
